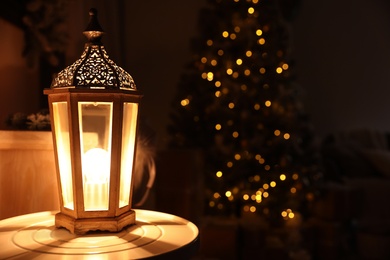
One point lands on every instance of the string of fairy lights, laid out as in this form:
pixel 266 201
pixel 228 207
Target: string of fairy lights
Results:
pixel 246 69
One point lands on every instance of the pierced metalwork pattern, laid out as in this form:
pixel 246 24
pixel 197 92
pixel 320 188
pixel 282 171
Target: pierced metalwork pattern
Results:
pixel 94 70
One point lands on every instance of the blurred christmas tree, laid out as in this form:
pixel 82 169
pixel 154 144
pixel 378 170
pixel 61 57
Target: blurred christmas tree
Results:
pixel 237 101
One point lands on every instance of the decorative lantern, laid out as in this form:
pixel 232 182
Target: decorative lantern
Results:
pixel 94 112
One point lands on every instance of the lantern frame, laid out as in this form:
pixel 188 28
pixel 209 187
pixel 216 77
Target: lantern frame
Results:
pixel 111 85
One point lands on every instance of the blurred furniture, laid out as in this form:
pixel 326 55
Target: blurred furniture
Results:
pixel 353 215
pixel 27 173
pixel 155 235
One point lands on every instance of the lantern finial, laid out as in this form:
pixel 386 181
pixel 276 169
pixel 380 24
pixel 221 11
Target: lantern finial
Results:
pixel 94 31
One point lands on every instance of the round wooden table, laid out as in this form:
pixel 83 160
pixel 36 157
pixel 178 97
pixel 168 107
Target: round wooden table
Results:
pixel 155 235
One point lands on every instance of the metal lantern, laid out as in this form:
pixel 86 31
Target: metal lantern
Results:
pixel 94 113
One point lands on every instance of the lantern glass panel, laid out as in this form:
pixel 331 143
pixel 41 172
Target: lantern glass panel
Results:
pixel 61 125
pixel 95 121
pixel 130 111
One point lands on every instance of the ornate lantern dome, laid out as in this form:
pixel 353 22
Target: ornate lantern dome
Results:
pixel 94 70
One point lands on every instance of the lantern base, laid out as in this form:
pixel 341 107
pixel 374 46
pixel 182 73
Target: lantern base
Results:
pixel 83 225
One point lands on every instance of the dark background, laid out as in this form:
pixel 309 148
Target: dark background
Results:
pixel 341 49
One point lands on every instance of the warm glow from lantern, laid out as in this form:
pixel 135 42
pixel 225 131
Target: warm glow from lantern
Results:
pixel 61 126
pixel 96 174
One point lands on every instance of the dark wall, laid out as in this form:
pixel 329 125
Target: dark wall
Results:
pixel 342 54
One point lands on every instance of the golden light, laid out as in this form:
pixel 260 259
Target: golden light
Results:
pixel 267 103
pixel 282 177
pixel 251 10
pixel 219 174
pixel 261 41
pixel 239 61
pixel 228 193
pixel 248 53
pixel 210 76
pixel 94 115
pixel 218 127
pixel 225 34
pixel 259 32
pixel 185 102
